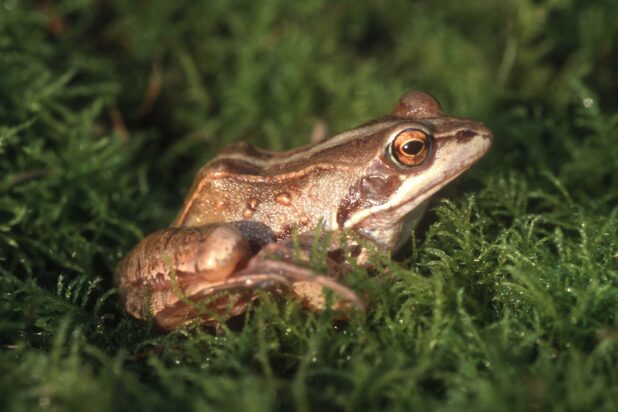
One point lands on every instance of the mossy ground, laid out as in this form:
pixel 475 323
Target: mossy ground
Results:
pixel 506 299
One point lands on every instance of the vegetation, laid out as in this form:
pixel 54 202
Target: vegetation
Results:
pixel 506 299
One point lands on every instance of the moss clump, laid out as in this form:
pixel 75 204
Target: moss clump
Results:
pixel 506 299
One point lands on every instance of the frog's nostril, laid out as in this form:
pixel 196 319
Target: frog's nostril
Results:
pixel 485 132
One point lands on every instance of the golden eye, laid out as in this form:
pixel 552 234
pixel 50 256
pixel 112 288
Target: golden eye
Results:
pixel 410 147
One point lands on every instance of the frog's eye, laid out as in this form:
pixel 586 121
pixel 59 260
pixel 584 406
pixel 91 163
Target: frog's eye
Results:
pixel 410 147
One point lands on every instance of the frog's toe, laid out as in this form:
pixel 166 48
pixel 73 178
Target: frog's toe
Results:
pixel 311 287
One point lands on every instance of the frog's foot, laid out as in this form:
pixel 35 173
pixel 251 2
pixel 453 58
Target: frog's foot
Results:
pixel 215 302
pixel 290 257
pixel 307 284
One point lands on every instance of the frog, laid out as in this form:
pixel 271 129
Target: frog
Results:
pixel 251 212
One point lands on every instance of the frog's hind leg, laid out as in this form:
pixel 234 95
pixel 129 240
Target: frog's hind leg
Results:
pixel 203 273
pixel 166 274
pixel 217 301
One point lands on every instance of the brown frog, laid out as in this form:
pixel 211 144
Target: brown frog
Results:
pixel 233 234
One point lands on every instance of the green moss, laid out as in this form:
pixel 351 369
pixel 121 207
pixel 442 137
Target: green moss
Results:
pixel 506 299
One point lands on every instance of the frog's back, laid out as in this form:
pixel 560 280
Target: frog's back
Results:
pixel 299 188
pixel 262 206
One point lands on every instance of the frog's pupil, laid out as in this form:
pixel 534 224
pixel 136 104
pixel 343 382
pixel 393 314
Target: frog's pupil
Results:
pixel 412 148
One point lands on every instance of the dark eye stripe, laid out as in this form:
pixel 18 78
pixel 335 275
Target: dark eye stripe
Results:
pixel 464 135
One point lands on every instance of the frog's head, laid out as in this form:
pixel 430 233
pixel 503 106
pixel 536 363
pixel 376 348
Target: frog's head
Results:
pixel 417 152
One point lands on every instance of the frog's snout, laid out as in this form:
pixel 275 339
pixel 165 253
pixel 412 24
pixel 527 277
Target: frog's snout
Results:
pixel 486 133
